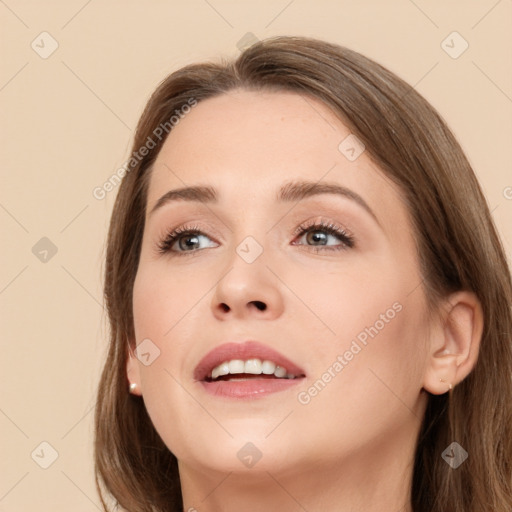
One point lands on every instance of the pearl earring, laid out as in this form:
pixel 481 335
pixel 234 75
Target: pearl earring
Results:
pixel 133 386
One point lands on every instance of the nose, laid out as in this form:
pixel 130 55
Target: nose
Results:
pixel 248 290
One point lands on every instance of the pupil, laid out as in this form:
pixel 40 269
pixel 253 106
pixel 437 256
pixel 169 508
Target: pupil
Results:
pixel 317 236
pixel 187 244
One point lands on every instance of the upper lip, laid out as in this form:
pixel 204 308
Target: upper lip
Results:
pixel 243 350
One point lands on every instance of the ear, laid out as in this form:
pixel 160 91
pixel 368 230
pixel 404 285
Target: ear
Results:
pixel 454 343
pixel 133 371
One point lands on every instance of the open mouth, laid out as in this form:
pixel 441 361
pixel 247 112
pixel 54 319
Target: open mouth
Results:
pixel 238 370
pixel 246 370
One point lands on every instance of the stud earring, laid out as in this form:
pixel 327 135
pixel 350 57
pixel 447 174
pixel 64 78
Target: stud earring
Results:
pixel 450 387
pixel 133 386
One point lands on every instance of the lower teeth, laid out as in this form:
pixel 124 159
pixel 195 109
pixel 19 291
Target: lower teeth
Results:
pixel 252 377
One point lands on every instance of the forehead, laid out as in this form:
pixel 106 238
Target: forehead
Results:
pixel 247 143
pixel 244 123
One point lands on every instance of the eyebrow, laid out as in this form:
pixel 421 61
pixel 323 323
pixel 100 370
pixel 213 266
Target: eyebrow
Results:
pixel 291 191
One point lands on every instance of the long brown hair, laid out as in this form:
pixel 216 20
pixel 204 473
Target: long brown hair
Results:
pixel 458 249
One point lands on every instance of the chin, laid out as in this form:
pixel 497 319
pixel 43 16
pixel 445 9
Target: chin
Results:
pixel 240 454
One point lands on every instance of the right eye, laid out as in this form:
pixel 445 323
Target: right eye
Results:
pixel 182 240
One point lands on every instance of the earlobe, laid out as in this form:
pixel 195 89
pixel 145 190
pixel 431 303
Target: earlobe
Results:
pixel 133 373
pixel 455 343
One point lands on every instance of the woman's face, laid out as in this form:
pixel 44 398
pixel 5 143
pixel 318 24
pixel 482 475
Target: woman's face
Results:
pixel 326 277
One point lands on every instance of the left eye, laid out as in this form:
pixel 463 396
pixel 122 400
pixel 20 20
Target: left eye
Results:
pixel 320 235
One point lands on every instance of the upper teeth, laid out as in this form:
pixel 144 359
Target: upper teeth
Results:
pixel 254 366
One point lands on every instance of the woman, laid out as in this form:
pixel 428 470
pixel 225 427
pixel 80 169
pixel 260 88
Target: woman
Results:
pixel 310 307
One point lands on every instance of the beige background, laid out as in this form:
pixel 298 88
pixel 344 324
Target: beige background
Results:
pixel 67 123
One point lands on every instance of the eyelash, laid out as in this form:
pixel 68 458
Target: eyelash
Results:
pixel 348 241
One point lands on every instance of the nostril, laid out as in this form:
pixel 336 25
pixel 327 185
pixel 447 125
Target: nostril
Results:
pixel 260 305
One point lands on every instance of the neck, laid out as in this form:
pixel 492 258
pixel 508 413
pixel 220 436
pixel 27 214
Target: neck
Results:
pixel 379 479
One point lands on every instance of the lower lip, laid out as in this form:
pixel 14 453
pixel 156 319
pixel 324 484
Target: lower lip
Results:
pixel 251 388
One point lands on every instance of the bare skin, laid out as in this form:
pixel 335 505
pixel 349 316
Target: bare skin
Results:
pixel 350 445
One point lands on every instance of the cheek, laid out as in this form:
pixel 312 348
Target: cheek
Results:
pixel 370 339
pixel 343 303
pixel 163 297
pixel 365 390
pixel 168 311
pixel 374 365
